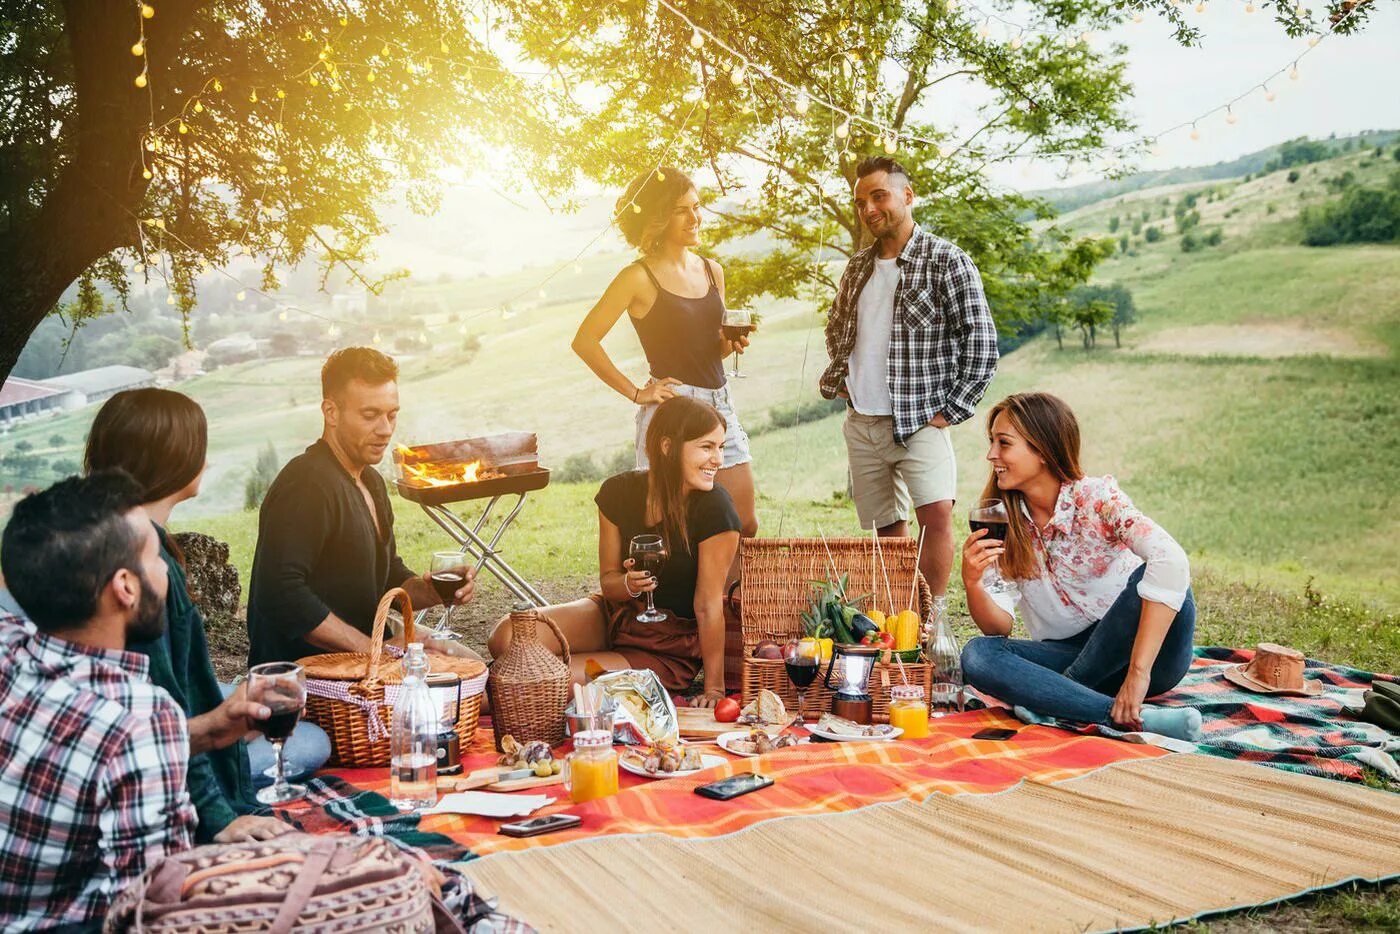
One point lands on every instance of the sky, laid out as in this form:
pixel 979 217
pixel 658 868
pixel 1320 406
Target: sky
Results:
pixel 1346 84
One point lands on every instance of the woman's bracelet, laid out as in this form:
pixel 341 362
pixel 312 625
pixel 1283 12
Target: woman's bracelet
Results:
pixel 635 394
pixel 629 589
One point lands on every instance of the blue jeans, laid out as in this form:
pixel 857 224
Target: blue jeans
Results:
pixel 1077 678
pixel 305 751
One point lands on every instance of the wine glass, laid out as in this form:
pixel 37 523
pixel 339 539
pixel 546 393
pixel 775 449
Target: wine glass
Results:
pixel 448 573
pixel 648 553
pixel 280 687
pixel 990 514
pixel 802 659
pixel 735 324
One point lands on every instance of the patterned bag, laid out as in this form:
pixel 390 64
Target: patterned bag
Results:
pixel 339 883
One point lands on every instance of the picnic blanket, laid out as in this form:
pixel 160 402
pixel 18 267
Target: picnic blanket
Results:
pixel 1134 844
pixel 1311 735
pixel 811 779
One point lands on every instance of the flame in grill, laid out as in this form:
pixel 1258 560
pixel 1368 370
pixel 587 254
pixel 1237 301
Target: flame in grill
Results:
pixel 430 473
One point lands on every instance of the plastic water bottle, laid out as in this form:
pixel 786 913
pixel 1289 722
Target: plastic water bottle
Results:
pixel 945 655
pixel 413 739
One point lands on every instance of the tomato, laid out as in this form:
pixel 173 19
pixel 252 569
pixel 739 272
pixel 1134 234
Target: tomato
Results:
pixel 884 640
pixel 727 710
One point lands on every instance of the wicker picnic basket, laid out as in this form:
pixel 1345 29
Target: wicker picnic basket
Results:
pixel 777 575
pixel 529 684
pixel 345 692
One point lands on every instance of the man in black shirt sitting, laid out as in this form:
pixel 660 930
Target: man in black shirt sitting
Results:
pixel 326 552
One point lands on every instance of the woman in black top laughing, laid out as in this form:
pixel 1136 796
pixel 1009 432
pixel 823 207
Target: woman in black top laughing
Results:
pixel 676 497
pixel 675 300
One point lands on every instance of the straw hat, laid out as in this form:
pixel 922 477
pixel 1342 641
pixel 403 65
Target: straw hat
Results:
pixel 1275 669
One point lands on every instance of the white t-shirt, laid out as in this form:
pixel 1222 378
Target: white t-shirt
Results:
pixel 868 380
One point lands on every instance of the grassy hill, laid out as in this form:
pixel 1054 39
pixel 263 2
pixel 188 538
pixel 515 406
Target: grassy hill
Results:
pixel 1076 196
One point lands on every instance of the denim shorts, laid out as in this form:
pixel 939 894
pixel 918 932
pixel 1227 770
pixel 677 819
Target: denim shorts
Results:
pixel 736 440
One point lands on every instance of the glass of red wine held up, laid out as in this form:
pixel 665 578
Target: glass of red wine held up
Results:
pixel 648 553
pixel 990 514
pixel 448 574
pixel 281 688
pixel 735 324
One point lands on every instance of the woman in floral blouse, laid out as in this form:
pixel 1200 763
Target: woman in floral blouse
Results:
pixel 1105 593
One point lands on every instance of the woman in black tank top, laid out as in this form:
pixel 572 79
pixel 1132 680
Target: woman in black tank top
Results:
pixel 675 300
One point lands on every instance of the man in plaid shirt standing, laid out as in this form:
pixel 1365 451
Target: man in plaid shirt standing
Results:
pixel 912 347
pixel 92 755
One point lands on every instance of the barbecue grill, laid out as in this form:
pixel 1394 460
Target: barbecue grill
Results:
pixel 435 476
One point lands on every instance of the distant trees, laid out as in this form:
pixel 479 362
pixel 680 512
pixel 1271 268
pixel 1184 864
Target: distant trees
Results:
pixel 1293 176
pixel 1113 223
pixel 1091 307
pixel 1360 215
pixel 1152 234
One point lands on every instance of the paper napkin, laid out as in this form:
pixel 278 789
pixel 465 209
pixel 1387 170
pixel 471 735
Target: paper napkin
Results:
pixel 489 804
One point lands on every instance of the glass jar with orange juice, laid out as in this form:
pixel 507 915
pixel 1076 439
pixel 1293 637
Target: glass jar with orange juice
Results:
pixel 908 710
pixel 590 771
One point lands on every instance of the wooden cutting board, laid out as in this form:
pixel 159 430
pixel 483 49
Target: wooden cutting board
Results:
pixel 700 723
pixel 485 779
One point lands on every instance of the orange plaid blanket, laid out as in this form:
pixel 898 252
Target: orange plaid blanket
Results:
pixel 809 779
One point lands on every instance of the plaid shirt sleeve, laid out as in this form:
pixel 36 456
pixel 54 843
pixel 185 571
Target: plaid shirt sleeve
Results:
pixel 976 333
pixel 148 813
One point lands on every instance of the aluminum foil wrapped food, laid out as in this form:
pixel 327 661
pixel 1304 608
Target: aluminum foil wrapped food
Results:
pixel 645 711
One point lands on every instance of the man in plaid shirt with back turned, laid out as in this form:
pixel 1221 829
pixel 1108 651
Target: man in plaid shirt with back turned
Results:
pixel 912 348
pixel 92 755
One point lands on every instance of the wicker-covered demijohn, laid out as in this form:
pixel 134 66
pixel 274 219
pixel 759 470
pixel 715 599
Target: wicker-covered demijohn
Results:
pixel 777 576
pixel 529 684
pixel 346 692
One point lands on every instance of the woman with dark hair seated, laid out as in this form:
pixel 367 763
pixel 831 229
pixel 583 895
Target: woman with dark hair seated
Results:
pixel 1104 592
pixel 160 438
pixel 677 498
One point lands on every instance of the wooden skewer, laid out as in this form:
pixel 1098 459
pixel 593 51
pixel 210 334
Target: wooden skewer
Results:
pixel 914 578
pixel 884 571
pixel 830 562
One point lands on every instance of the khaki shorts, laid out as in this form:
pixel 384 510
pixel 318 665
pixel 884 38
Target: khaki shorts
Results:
pixel 887 477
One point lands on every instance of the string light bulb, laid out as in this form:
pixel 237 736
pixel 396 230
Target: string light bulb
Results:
pixel 1268 95
pixel 1201 7
pixel 891 144
pixel 1016 41
pixel 253 97
pixel 1249 8
pixel 241 295
pixel 198 107
pixel 141 80
pixel 1137 17
pixel 660 175
pixel 138 266
pixel 843 130
pixel 985 29
pixel 1195 133
pixel 281 94
pixel 184 128
pixel 696 39
pixel 737 76
pixel 147 11
pixel 376 339
pixel 1230 117
pixel 1293 72
pixel 802 103
pixel 138 49
pixel 1313 40
pixel 218 86
pixel 146 174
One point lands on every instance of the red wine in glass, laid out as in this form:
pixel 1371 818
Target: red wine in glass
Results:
pixel 996 530
pixel 732 332
pixel 280 725
pixel 447 583
pixel 801 671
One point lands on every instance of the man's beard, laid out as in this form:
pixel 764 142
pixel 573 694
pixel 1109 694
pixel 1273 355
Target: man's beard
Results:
pixel 149 621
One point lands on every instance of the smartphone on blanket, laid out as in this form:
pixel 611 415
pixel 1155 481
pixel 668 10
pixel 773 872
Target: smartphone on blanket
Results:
pixel 995 733
pixel 538 825
pixel 734 786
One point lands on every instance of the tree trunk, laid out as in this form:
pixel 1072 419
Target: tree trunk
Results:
pixel 1059 337
pixel 1116 342
pixel 93 207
